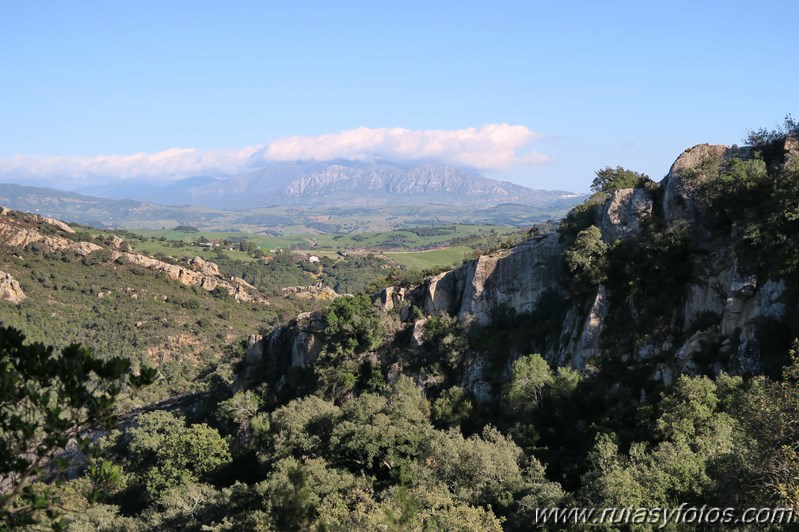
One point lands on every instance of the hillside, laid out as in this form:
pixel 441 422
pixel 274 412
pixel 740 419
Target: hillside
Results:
pixel 183 315
pixel 640 355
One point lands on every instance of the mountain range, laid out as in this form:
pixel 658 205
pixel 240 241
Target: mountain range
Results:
pixel 334 184
pixel 348 194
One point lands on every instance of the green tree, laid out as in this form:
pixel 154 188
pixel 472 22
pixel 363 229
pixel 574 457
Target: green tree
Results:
pixel 486 469
pixel 587 259
pixel 302 427
pixel 695 439
pixel 354 325
pixel 452 408
pixel 167 453
pixel 237 414
pixel 610 179
pixel 379 434
pixel 295 490
pixel 769 411
pixel 529 376
pixel 49 399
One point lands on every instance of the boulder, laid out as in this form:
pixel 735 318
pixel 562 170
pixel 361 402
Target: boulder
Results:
pixel 10 290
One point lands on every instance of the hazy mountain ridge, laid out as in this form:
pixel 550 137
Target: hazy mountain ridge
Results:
pixel 393 208
pixel 426 182
pixel 336 183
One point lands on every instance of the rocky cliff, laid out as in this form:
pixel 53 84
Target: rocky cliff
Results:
pixel 714 318
pixel 718 326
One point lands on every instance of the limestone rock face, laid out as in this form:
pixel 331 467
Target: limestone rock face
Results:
pixel 584 332
pixel 444 292
pixel 10 290
pixel 678 203
pixel 510 279
pixel 307 342
pixel 624 214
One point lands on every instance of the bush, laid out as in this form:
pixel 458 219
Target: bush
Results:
pixel 587 259
pixel 610 179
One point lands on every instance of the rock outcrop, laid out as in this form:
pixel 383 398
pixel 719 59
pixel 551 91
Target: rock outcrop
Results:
pixel 314 292
pixel 205 267
pixel 513 279
pixel 722 307
pixel 20 231
pixel 55 223
pixel 204 274
pixel 678 197
pixel 10 290
pixel 18 234
pixel 623 216
pixel 716 324
pixel 272 358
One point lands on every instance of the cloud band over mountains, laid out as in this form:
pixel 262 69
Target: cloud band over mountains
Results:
pixel 492 148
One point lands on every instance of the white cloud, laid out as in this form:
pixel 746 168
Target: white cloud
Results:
pixel 492 147
pixel 166 165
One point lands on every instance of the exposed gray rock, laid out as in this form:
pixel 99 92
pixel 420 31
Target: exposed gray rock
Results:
pixel 307 342
pixel 685 356
pixel 386 298
pixel 584 342
pixel 10 290
pixel 678 202
pixel 515 279
pixel 305 349
pixel 476 380
pixel 255 349
pixel 624 214
pixel 417 336
pixel 444 292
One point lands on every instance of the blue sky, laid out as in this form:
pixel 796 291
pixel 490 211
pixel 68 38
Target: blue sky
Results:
pixel 600 83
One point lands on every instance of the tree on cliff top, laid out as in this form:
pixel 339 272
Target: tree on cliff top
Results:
pixel 610 179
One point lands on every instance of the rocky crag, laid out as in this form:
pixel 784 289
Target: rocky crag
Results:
pixel 716 323
pixel 22 231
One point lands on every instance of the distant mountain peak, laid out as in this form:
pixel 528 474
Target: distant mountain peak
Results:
pixel 338 182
